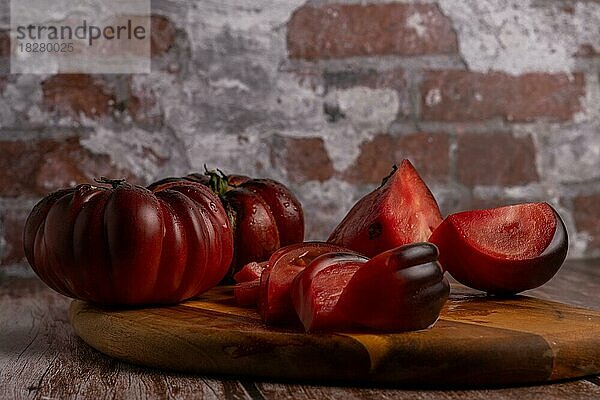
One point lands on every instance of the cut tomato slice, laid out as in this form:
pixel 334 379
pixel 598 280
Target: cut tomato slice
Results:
pixel 503 250
pixel 275 304
pixel 316 290
pixel 401 211
pixel 246 293
pixel 402 289
pixel 250 272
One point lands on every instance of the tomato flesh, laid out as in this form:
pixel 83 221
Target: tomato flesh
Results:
pixel 250 272
pixel 402 289
pixel 504 250
pixel 399 212
pixel 246 293
pixel 316 290
pixel 275 303
pixel 514 232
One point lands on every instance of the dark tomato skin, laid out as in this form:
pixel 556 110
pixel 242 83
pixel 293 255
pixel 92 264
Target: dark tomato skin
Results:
pixel 495 274
pixel 128 245
pixel 264 213
pixel 235 180
pixel 267 216
pixel 402 289
pixel 255 228
pixel 166 182
pixel 284 207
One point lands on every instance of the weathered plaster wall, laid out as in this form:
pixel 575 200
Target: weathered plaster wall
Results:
pixel 495 102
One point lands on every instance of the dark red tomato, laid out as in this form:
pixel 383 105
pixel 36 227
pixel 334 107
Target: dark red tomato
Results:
pixel 250 272
pixel 246 293
pixel 503 250
pixel 275 303
pixel 127 245
pixel 264 213
pixel 316 290
pixel 401 211
pixel 255 227
pixel 402 289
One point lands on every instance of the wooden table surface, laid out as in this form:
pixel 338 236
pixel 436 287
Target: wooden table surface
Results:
pixel 41 358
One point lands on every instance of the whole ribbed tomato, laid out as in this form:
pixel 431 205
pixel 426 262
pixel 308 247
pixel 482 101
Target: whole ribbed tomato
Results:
pixel 265 214
pixel 128 245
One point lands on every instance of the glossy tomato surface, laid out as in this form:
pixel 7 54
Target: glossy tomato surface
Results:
pixel 401 211
pixel 255 229
pixel 127 245
pixel 402 289
pixel 316 290
pixel 264 213
pixel 275 302
pixel 246 293
pixel 250 272
pixel 503 250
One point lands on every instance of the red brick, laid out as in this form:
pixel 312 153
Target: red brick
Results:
pixel 12 223
pixel 473 96
pixel 33 168
pixel 163 34
pixel 338 31
pixel 587 50
pixel 495 159
pixel 428 152
pixel 143 107
pixel 4 43
pixel 568 8
pixel 77 93
pixel 586 211
pixel 304 159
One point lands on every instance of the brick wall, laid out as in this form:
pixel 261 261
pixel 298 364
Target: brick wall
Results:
pixel 494 101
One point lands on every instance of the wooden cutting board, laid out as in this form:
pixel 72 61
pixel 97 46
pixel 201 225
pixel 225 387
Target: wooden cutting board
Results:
pixel 477 341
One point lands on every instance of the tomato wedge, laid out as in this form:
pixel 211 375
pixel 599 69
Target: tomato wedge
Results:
pixel 503 250
pixel 246 293
pixel 316 290
pixel 402 289
pixel 275 303
pixel 250 272
pixel 401 211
